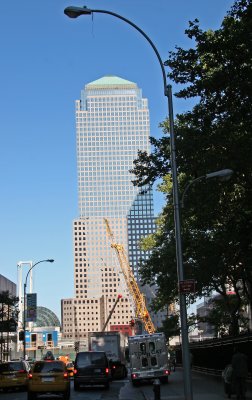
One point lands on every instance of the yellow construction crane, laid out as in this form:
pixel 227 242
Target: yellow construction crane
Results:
pixel 139 301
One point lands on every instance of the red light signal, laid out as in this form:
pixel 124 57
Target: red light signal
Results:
pixel 146 315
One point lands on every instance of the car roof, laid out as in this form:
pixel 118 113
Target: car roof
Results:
pixel 49 361
pixel 91 351
pixel 12 362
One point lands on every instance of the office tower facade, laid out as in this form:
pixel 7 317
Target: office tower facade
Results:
pixel 112 124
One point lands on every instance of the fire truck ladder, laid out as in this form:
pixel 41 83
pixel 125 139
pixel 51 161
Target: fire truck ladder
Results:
pixel 141 309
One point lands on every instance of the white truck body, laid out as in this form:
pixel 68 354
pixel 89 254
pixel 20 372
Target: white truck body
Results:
pixel 148 357
pixel 110 342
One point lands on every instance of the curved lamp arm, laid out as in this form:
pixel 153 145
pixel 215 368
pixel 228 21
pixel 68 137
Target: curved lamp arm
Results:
pixel 34 265
pixel 74 12
pixel 223 175
pixel 25 284
pixel 188 185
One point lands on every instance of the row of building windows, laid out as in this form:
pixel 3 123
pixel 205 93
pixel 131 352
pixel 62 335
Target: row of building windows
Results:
pixel 110 115
pixel 127 158
pixel 114 100
pixel 80 302
pixel 104 291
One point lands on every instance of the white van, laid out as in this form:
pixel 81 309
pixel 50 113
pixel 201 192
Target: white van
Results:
pixel 148 358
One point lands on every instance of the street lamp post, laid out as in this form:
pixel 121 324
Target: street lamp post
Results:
pixel 74 12
pixel 223 174
pixel 25 284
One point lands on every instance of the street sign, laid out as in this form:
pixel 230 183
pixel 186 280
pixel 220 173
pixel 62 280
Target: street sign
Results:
pixel 187 286
pixel 31 312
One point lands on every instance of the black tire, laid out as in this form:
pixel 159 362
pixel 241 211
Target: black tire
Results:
pixel 31 396
pixel 66 395
pixel 106 386
pixel 76 386
pixel 135 383
pixel 164 379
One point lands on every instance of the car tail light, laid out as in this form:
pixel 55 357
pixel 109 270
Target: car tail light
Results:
pixel 75 371
pixel 106 370
pixel 65 375
pixel 166 372
pixel 30 376
pixel 21 371
pixel 134 376
pixel 113 366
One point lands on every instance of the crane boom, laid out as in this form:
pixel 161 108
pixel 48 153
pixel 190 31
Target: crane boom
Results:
pixel 141 309
pixel 111 312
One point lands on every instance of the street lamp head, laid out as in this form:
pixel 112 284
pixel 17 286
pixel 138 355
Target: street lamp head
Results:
pixel 50 260
pixel 75 12
pixel 223 174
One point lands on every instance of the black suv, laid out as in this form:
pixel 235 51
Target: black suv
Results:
pixel 91 368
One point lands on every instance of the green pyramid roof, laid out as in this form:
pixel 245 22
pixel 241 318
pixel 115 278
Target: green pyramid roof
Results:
pixel 110 80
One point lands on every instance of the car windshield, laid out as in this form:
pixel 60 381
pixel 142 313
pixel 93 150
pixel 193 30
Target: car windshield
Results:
pixel 94 358
pixel 50 366
pixel 11 366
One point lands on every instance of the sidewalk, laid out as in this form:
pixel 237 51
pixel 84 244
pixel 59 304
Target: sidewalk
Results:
pixel 203 387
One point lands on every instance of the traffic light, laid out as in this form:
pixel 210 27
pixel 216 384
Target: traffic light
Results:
pixel 21 336
pixel 132 322
pixel 76 346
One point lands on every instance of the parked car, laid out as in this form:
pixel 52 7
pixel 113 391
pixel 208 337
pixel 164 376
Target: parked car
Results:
pixel 14 375
pixel 48 377
pixel 91 368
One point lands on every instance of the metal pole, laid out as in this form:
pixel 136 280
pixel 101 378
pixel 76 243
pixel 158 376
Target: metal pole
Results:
pixel 179 255
pixel 25 284
pixel 24 323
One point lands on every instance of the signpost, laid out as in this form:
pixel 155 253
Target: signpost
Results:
pixel 31 312
pixel 187 286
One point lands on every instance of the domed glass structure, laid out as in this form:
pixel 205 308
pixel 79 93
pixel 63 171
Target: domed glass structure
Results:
pixel 46 317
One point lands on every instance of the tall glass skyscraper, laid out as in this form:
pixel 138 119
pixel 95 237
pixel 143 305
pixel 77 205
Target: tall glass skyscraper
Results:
pixel 112 124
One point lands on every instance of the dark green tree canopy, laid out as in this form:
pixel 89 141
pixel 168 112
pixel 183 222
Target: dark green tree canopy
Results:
pixel 216 134
pixel 8 307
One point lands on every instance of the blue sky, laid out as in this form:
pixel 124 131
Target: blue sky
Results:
pixel 46 59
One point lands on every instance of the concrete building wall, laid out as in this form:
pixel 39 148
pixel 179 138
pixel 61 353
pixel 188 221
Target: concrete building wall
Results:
pixel 7 285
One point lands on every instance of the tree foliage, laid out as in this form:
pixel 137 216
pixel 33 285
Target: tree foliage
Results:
pixel 226 316
pixel 8 307
pixel 216 134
